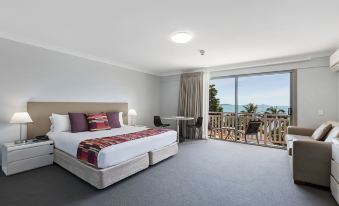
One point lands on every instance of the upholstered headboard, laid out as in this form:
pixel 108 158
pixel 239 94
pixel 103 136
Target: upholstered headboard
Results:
pixel 40 112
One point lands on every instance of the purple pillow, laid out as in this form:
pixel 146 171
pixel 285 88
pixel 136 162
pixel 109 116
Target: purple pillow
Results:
pixel 78 122
pixel 113 119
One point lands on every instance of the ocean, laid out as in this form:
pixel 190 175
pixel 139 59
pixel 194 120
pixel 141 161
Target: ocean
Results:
pixel 261 108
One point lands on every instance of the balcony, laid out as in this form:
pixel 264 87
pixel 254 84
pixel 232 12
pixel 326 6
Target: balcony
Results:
pixel 228 126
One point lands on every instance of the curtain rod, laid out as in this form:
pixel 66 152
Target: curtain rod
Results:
pixel 221 68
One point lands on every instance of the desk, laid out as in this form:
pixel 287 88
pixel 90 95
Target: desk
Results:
pixel 177 120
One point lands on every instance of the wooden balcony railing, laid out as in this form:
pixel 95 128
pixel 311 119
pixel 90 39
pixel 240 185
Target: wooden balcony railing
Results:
pixel 271 131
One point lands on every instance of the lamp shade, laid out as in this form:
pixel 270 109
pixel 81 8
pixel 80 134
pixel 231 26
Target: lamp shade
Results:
pixel 132 112
pixel 21 117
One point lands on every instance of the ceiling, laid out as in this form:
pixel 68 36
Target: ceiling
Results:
pixel 136 34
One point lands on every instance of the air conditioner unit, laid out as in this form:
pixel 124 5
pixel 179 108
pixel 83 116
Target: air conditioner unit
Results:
pixel 334 61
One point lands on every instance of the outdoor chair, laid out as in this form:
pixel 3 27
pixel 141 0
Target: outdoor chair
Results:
pixel 251 129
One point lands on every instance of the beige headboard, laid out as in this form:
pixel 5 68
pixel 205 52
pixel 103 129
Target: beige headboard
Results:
pixel 40 112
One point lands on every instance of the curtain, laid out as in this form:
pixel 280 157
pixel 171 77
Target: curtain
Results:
pixel 206 84
pixel 190 100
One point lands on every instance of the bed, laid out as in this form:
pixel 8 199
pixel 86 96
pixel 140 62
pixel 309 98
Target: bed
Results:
pixel 115 162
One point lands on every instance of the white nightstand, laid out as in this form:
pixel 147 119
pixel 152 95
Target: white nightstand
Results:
pixel 335 170
pixel 23 157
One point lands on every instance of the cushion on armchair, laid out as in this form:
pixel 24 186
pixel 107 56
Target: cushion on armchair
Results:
pixel 334 133
pixel 321 132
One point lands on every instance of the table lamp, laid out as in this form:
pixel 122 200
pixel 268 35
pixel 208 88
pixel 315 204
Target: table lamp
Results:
pixel 20 118
pixel 132 113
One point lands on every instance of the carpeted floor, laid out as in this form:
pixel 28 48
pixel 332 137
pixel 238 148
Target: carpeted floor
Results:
pixel 203 173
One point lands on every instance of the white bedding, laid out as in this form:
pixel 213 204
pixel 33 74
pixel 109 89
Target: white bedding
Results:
pixel 115 154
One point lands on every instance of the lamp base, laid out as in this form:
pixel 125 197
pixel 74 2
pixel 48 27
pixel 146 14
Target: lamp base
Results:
pixel 20 141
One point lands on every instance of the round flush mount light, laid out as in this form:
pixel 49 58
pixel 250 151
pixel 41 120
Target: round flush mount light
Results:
pixel 181 37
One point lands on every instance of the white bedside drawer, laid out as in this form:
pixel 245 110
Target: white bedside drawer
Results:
pixel 22 157
pixel 335 152
pixel 335 189
pixel 28 164
pixel 335 170
pixel 27 153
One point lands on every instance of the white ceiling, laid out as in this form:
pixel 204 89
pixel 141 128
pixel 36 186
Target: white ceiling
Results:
pixel 135 34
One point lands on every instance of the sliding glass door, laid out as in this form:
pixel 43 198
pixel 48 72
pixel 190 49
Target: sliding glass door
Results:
pixel 237 101
pixel 222 107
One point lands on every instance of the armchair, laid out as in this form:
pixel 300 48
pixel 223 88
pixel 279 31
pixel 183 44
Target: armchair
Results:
pixel 310 160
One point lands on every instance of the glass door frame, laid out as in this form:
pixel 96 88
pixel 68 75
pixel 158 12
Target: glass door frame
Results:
pixel 293 93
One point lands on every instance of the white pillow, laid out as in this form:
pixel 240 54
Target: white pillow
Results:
pixel 52 125
pixel 321 131
pixel 121 120
pixel 61 123
pixel 334 133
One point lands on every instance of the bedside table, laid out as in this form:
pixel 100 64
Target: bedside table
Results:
pixel 334 178
pixel 22 157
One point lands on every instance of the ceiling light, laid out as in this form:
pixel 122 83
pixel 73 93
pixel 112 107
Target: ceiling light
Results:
pixel 181 37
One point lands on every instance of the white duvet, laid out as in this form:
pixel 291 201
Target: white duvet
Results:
pixel 115 154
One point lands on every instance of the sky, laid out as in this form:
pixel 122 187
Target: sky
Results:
pixel 269 89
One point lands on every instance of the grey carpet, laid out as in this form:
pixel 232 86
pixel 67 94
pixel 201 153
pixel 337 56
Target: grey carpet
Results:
pixel 203 173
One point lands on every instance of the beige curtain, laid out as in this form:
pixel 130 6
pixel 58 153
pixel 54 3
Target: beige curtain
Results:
pixel 190 100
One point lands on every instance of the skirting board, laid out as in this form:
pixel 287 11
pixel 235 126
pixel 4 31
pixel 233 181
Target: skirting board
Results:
pixel 158 155
pixel 101 178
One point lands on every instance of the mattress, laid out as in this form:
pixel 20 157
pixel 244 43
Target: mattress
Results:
pixel 68 142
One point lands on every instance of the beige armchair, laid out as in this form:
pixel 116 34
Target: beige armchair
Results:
pixel 310 160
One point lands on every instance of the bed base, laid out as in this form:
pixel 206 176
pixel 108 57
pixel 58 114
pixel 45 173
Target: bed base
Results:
pixel 158 155
pixel 102 178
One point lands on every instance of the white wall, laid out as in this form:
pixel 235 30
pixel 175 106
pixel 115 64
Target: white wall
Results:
pixel 317 89
pixel 317 92
pixel 338 96
pixel 169 97
pixel 30 73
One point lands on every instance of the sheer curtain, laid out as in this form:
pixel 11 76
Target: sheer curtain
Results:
pixel 190 99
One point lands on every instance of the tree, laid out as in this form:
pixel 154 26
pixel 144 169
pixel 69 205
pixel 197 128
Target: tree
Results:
pixel 274 110
pixel 250 108
pixel 214 102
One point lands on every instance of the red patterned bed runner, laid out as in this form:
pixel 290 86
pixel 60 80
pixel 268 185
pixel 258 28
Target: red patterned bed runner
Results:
pixel 89 149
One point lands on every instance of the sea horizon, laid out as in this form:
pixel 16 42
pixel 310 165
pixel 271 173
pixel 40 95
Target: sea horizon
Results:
pixel 261 108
